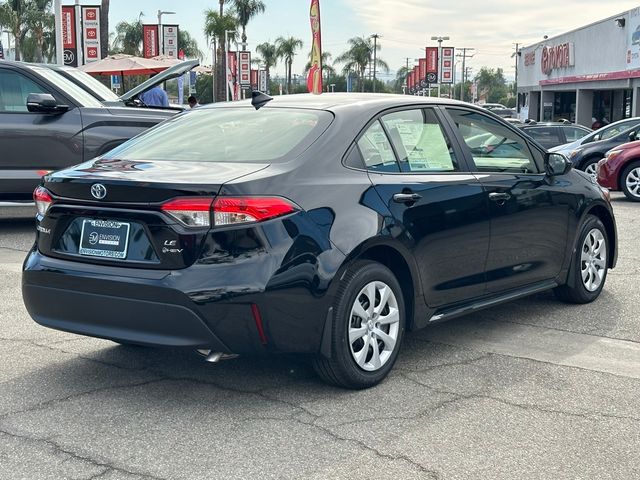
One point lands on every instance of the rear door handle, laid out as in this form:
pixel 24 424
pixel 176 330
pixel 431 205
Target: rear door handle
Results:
pixel 406 197
pixel 499 197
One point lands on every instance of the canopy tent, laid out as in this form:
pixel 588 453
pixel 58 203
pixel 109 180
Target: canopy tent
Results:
pixel 122 65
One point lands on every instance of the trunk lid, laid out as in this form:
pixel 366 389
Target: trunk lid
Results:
pixel 121 221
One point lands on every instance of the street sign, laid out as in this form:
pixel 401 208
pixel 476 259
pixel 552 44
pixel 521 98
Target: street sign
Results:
pixel 115 82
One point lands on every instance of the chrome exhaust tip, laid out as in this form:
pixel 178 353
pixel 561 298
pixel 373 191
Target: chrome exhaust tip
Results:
pixel 214 357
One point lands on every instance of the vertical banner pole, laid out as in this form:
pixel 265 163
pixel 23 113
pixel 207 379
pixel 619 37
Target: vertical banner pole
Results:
pixel 57 11
pixel 314 80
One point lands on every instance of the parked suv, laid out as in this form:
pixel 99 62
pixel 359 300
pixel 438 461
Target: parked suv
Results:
pixel 318 225
pixel 48 123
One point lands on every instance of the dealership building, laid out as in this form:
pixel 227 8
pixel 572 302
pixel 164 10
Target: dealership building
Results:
pixel 589 73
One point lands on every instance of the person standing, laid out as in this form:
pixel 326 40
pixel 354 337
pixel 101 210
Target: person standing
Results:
pixel 193 101
pixel 154 97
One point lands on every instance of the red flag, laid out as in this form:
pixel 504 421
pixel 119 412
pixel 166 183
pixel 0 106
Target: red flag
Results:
pixel 314 80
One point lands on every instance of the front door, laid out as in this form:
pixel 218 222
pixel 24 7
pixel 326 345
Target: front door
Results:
pixel 529 218
pixel 33 143
pixel 437 203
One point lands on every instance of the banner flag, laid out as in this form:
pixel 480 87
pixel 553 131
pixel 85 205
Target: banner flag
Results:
pixel 170 40
pixel 69 39
pixel 448 54
pixel 1 51
pixel 314 80
pixel 91 34
pixel 432 64
pixel 245 69
pixel 150 41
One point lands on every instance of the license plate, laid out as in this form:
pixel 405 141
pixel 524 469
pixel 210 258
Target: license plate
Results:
pixel 104 238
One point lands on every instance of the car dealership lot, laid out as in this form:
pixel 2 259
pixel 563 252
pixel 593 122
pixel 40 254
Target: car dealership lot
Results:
pixel 531 389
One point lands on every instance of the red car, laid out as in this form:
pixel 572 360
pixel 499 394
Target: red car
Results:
pixel 620 170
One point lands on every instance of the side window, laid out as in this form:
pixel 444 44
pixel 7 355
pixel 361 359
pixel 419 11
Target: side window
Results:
pixel 376 150
pixel 418 139
pixel 494 147
pixel 572 134
pixel 14 90
pixel 545 135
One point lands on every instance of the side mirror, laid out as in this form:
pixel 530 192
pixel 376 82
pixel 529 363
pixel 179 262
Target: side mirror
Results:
pixel 44 103
pixel 556 164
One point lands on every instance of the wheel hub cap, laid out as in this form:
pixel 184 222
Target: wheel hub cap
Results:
pixel 593 261
pixel 374 325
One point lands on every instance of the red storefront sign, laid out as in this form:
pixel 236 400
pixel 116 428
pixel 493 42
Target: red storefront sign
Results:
pixel 558 56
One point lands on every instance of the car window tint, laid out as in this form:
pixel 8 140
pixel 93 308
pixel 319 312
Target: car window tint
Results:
pixel 494 147
pixel 572 133
pixel 14 90
pixel 545 135
pixel 376 150
pixel 421 144
pixel 614 130
pixel 228 134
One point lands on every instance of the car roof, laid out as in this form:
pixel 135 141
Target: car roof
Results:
pixel 334 101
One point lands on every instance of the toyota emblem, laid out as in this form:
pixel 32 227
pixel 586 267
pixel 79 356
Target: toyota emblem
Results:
pixel 98 191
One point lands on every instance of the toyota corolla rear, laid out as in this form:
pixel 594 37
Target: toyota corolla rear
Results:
pixel 180 237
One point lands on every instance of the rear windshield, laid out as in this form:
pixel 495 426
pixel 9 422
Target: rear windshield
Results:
pixel 228 135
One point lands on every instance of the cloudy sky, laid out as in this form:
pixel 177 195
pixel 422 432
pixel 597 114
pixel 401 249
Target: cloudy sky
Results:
pixel 492 27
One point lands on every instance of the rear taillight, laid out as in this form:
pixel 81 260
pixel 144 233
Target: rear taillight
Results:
pixel 191 212
pixel 43 200
pixel 226 211
pixel 240 210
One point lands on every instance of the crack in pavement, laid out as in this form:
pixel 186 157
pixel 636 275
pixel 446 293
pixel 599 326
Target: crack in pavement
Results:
pixel 57 448
pixel 441 365
pixel 585 414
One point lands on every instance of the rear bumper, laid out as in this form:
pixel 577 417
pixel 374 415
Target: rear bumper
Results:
pixel 173 309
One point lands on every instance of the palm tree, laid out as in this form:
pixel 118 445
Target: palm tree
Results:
pixel 269 53
pixel 358 57
pixel 286 49
pixel 215 26
pixel 129 37
pixel 245 10
pixel 104 28
pixel 12 16
pixel 38 20
pixel 401 78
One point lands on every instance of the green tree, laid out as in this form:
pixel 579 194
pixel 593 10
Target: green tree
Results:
pixel 286 49
pixel 327 69
pixel 13 17
pixel 188 45
pixel 38 20
pixel 215 26
pixel 401 79
pixel 129 37
pixel 269 53
pixel 245 10
pixel 357 58
pixel 491 84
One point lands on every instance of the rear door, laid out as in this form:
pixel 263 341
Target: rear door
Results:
pixel 529 213
pixel 33 142
pixel 437 203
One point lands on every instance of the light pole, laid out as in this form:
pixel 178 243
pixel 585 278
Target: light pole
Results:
pixel 160 35
pixel 57 13
pixel 375 37
pixel 226 60
pixel 439 39
pixel 213 69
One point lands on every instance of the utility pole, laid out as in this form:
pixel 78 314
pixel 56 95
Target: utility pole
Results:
pixel 375 37
pixel 464 57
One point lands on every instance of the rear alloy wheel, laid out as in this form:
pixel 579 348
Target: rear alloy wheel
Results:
pixel 630 182
pixel 591 167
pixel 588 270
pixel 367 329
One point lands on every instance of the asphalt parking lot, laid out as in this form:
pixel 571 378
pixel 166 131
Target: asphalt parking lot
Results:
pixel 535 389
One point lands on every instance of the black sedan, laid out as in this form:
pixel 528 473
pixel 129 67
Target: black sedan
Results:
pixel 586 158
pixel 553 134
pixel 321 225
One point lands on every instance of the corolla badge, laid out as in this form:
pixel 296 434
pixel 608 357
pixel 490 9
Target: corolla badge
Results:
pixel 98 191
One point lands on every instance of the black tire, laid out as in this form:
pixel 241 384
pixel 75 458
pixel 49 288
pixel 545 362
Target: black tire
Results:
pixel 589 162
pixel 342 369
pixel 575 290
pixel 623 182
